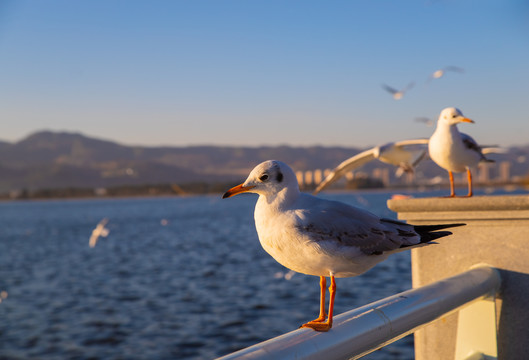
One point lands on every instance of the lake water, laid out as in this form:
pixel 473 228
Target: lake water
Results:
pixel 176 278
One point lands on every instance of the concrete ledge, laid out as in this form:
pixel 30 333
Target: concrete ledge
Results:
pixel 462 209
pixel 513 202
pixel 496 234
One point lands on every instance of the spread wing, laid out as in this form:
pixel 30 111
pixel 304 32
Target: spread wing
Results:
pixel 389 89
pixel 408 87
pixel 368 155
pixel 488 149
pixel 412 142
pixel 99 230
pixel 346 166
pixel 419 154
pixel 406 154
pixel 454 68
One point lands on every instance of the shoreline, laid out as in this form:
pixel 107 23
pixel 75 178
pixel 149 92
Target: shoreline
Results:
pixel 160 191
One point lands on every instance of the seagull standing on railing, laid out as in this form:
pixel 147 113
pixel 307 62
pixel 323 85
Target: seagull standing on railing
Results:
pixel 321 237
pixel 452 150
pixel 405 154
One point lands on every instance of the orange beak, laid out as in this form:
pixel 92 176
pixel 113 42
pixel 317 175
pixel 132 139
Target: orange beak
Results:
pixel 467 120
pixel 236 190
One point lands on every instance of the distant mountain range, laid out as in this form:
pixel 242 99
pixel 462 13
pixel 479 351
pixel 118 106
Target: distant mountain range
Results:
pixel 48 159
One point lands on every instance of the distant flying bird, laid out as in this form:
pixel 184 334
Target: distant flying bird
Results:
pixel 397 94
pixel 320 237
pixel 441 72
pixel 426 121
pixel 3 295
pixel 100 230
pixel 405 154
pixel 452 150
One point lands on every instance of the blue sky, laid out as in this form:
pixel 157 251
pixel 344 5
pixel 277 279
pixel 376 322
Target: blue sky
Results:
pixel 262 72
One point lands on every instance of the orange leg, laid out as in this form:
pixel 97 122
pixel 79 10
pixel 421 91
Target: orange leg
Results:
pixel 318 324
pixel 323 314
pixel 452 190
pixel 469 177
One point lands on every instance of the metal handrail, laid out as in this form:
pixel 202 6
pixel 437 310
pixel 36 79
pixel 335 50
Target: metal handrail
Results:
pixel 363 330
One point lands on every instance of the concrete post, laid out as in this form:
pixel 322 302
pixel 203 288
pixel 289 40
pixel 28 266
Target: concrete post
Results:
pixel 496 234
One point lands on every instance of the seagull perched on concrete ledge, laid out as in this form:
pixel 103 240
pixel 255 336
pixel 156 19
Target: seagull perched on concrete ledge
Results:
pixel 321 237
pixel 452 150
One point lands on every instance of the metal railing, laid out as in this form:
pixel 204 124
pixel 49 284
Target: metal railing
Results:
pixel 363 330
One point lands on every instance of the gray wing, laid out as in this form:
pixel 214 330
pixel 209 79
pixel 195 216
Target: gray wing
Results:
pixel 415 150
pixel 423 141
pixel 339 226
pixel 418 155
pixel 389 89
pixel 454 68
pixel 489 149
pixel 425 120
pixel 344 167
pixel 366 156
pixel 408 87
pixel 471 144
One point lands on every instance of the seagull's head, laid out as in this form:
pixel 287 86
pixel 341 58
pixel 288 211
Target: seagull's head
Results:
pixel 269 178
pixel 453 116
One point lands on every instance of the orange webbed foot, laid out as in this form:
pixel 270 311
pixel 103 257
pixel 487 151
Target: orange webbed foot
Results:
pixel 318 326
pixel 319 319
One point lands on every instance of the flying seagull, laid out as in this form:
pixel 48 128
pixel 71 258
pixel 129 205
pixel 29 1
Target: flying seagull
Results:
pixel 437 74
pixel 405 154
pixel 100 230
pixel 397 94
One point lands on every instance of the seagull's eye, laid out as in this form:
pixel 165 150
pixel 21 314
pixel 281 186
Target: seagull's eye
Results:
pixel 454 116
pixel 263 177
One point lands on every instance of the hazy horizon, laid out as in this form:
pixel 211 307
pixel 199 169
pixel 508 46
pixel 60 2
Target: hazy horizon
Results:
pixel 103 138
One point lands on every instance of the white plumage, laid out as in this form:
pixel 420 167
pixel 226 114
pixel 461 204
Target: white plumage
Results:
pixel 405 154
pixel 100 230
pixel 321 237
pixel 397 94
pixel 452 150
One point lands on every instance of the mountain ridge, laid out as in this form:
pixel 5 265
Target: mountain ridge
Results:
pixel 57 159
pixel 48 159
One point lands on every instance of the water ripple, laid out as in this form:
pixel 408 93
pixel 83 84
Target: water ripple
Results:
pixel 193 287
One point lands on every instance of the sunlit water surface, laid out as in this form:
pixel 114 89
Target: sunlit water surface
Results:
pixel 177 278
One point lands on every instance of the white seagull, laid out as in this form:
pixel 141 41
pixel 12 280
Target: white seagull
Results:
pixel 321 237
pixel 437 74
pixel 397 94
pixel 405 154
pixel 100 230
pixel 452 150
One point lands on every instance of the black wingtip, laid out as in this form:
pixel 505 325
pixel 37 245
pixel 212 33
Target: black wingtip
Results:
pixel 428 228
pixel 429 232
pixel 435 235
